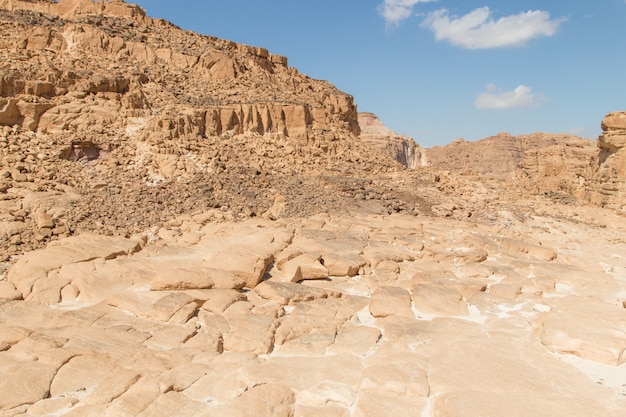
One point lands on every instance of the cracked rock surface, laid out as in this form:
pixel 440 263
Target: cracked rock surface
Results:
pixel 438 318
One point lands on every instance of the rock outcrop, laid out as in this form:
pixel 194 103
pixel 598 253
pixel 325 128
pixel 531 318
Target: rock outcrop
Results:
pixel 498 157
pixel 102 106
pixel 594 172
pixel 401 148
pixel 607 187
pixel 65 8
pixel 564 168
pixel 288 103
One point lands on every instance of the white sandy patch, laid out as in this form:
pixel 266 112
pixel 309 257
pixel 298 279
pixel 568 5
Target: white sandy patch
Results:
pixel 72 305
pixel 357 286
pixel 503 311
pixel 613 377
pixel 366 318
pixel 428 410
pixel 542 308
pixel 419 315
pixel 563 288
pixel 475 315
pixel 608 269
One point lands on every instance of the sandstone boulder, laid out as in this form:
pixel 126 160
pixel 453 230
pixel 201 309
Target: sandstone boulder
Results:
pixel 391 301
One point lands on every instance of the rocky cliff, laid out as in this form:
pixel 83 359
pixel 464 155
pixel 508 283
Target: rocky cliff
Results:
pixel 103 108
pixel 592 171
pixel 496 157
pixel 563 167
pixel 146 65
pixel 399 147
pixel 608 184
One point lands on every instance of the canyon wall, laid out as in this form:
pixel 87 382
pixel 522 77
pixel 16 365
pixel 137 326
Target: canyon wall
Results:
pixel 118 68
pixel 399 147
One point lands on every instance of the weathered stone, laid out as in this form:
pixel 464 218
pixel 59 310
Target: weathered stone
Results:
pixel 376 252
pixel 373 403
pixel 222 383
pixel 181 279
pixel 305 334
pixel 328 411
pixel 250 333
pixel 36 265
pixel 309 267
pixel 173 403
pixel 391 301
pixel 340 265
pixel 399 377
pixel 220 300
pixel 112 386
pixel 304 374
pixel 8 291
pixel 80 375
pixel 615 120
pixel 327 393
pixel 249 256
pixel 355 340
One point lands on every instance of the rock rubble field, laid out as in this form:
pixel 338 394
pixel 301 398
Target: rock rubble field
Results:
pixel 190 227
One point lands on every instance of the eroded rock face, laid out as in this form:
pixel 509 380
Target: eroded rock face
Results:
pixel 401 148
pixel 607 187
pixel 76 7
pixel 564 168
pixel 206 123
pixel 38 100
pixel 614 136
pixel 496 157
pixel 594 172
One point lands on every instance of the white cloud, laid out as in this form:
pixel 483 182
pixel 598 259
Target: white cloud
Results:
pixel 395 11
pixel 496 99
pixel 478 30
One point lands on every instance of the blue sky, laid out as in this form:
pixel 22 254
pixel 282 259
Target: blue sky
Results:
pixel 437 70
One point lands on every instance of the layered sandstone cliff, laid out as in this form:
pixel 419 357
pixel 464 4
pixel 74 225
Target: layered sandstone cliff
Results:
pixel 401 148
pixel 563 167
pixel 592 171
pixel 151 64
pixel 102 107
pixel 497 157
pixel 75 7
pixel 607 187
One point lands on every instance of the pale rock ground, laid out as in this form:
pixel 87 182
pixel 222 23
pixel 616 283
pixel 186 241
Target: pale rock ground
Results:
pixel 429 317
